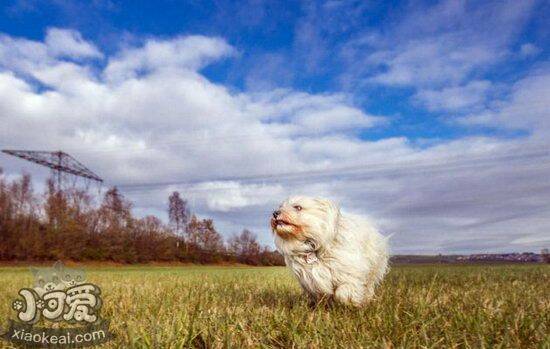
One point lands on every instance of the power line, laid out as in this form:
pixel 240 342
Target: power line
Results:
pixel 364 171
pixel 356 172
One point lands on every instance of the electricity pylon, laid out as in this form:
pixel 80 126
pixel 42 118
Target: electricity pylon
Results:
pixel 59 162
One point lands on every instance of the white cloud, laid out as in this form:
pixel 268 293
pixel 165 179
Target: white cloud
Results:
pixel 231 195
pixel 431 62
pixel 189 52
pixel 438 50
pixel 44 60
pixel 299 113
pixel 69 43
pixel 455 98
pixel 151 116
pixel 526 108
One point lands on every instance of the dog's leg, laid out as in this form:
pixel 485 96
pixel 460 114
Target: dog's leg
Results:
pixel 350 294
pixel 312 301
pixel 316 301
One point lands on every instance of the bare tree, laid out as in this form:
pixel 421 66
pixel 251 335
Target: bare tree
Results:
pixel 70 224
pixel 178 212
pixel 209 238
pixel 117 227
pixel 192 231
pixel 116 209
pixel 245 247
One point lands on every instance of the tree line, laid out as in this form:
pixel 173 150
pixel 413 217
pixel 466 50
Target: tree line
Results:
pixel 68 224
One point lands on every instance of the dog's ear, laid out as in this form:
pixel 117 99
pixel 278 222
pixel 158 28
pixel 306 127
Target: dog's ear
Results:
pixel 332 211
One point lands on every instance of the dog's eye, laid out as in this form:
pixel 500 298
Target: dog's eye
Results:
pixel 297 207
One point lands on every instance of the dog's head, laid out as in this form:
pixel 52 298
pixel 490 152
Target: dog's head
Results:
pixel 302 218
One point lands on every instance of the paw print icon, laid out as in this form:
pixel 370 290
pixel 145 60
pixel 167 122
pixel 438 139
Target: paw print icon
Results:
pixel 17 305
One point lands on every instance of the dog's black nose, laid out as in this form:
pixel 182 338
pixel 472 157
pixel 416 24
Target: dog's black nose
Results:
pixel 276 213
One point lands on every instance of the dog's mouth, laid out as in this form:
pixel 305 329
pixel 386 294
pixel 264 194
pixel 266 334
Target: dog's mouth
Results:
pixel 285 229
pixel 275 223
pixel 282 222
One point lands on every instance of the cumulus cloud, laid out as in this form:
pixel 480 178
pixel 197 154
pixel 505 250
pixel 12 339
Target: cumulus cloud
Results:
pixel 150 122
pixel 233 195
pixel 69 43
pixel 190 52
pixel 32 58
pixel 301 113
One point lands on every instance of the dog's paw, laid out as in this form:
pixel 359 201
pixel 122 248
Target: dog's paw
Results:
pixel 350 295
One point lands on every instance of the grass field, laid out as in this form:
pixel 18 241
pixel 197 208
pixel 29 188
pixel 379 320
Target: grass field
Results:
pixel 417 306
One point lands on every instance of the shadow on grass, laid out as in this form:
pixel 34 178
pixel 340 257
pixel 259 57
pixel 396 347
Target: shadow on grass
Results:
pixel 296 300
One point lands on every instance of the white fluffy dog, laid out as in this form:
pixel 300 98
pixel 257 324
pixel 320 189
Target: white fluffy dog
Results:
pixel 333 255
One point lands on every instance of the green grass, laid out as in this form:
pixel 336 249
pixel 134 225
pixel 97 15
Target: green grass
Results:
pixel 499 306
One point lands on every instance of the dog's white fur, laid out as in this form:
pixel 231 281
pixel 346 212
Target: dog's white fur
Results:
pixel 333 255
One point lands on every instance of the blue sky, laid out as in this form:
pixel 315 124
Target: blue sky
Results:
pixel 301 45
pixel 140 90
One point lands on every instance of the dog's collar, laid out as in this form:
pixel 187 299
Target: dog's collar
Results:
pixel 307 255
pixel 311 256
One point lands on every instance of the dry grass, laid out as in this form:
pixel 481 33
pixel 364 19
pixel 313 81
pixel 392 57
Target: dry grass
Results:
pixel 417 306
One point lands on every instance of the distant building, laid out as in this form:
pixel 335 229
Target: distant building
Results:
pixel 525 257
